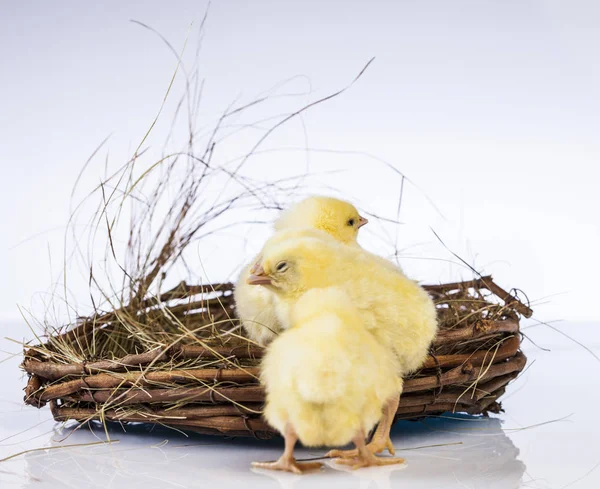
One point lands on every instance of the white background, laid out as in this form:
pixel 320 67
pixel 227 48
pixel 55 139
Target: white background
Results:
pixel 492 109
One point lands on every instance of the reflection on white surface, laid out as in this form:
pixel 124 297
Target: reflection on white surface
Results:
pixel 144 458
pixel 488 459
pixel 505 452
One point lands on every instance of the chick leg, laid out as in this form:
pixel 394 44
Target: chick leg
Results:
pixel 381 437
pixel 365 457
pixel 287 462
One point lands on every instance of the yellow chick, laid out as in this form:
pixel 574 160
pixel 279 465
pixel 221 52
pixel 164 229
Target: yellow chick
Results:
pixel 255 305
pixel 337 218
pixel 396 310
pixel 326 376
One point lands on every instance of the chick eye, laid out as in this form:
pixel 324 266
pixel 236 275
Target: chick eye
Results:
pixel 281 266
pixel 351 222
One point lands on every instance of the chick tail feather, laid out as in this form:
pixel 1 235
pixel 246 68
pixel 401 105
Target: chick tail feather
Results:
pixel 324 381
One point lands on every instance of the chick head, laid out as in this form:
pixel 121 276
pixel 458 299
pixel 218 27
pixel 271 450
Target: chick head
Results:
pixel 337 218
pixel 291 266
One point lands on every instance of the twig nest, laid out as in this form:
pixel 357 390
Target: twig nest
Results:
pixel 180 359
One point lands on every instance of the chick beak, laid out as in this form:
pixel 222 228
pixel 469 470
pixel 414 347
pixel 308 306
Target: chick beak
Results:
pixel 362 221
pixel 258 276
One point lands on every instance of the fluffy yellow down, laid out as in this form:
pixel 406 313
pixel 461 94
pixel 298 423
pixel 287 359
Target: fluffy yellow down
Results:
pixel 326 375
pixel 255 305
pixel 327 214
pixel 395 309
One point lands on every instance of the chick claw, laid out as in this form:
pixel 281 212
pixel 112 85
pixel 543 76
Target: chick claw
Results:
pixel 288 465
pixel 372 461
pixel 375 447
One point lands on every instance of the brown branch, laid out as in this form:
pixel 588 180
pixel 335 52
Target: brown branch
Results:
pixel 183 291
pixel 509 299
pixel 113 380
pixel 487 283
pixel 246 426
pixel 221 423
pixel 54 371
pixel 229 419
pixel 213 416
pixel 177 394
pixel 248 375
pixel 103 380
pixel 415 412
pixel 459 375
pixel 492 387
pixel 31 392
pixel 508 349
pixel 476 331
pixel 467 373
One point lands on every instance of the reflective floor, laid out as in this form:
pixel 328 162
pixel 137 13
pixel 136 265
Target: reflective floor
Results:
pixel 548 438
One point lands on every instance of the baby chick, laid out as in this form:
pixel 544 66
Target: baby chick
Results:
pixel 326 376
pixel 337 218
pixel 396 310
pixel 255 305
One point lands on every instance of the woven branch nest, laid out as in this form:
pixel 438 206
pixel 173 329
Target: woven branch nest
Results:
pixel 180 360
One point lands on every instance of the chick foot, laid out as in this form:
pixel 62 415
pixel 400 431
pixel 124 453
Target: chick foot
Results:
pixel 287 462
pixel 288 465
pixel 369 461
pixel 364 456
pixel 376 446
pixel 381 439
